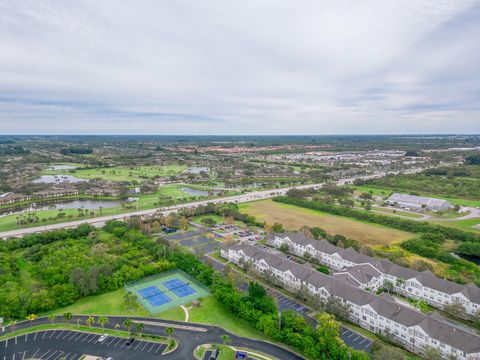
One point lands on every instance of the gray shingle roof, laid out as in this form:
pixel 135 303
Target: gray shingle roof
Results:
pixel 417 200
pixel 385 306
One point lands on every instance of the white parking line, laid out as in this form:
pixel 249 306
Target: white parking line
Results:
pixel 355 339
pixel 68 333
pixel 74 333
pixel 109 341
pixel 94 337
pixel 137 345
pixel 26 337
pixel 362 341
pixel 45 333
pixel 349 336
pixel 86 337
pixel 120 339
pixel 159 347
pixel 153 344
pixel 60 334
pixel 41 357
pixel 73 356
pixel 53 332
pixel 33 356
pixel 52 354
pixel 6 343
pixel 35 337
pixel 144 346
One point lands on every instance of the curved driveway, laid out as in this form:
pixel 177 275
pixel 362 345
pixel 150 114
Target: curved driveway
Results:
pixel 188 336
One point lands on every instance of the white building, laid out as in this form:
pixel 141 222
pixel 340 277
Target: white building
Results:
pixel 418 203
pixel 381 314
pixel 410 283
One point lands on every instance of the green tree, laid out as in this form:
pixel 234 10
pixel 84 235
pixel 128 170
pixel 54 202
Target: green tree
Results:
pixel 226 340
pixel 103 320
pixel 90 321
pixel 52 318
pixel 67 316
pixel 170 331
pixel 128 325
pixel 139 327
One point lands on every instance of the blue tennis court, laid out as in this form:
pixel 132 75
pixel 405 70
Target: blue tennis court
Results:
pixel 179 288
pixel 154 296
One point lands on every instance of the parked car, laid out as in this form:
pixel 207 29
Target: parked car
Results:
pixel 130 341
pixel 213 355
pixel 102 338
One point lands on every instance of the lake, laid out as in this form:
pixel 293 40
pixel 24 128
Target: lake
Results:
pixel 52 179
pixel 194 192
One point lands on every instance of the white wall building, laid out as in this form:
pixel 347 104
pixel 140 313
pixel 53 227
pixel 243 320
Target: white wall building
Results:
pixel 410 283
pixel 381 314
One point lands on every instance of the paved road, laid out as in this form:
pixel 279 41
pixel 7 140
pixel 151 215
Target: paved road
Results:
pixel 256 195
pixel 188 336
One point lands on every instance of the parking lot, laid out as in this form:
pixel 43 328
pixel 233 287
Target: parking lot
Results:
pixel 71 345
pixel 355 340
pixel 201 242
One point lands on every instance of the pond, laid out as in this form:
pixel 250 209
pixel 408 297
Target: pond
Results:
pixel 88 204
pixel 53 179
pixel 194 192
pixel 474 259
pixel 61 167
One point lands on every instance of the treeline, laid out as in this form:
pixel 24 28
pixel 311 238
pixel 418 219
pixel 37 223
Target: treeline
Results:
pixel 260 311
pixel 76 151
pixel 13 150
pixel 394 222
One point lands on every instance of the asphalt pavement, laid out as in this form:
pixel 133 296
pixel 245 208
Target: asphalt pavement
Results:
pixel 188 336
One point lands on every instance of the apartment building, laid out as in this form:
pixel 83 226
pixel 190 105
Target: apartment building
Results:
pixel 381 314
pixel 410 283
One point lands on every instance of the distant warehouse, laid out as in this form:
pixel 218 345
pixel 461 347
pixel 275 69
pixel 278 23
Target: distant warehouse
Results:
pixel 413 202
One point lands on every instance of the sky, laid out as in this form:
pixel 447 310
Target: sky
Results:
pixel 239 67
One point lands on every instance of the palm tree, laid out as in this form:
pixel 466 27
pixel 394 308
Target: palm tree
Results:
pixel 169 332
pixel 128 324
pixel 103 320
pixel 12 325
pixel 139 327
pixel 226 339
pixel 52 318
pixel 31 317
pixel 67 316
pixel 90 320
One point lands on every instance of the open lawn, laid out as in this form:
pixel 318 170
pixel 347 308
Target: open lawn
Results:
pixel 293 218
pixel 123 173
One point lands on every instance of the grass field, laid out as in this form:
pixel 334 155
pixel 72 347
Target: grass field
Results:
pixel 293 218
pixel 123 173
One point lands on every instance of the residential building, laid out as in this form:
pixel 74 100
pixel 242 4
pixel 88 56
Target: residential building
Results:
pixel 372 273
pixel 380 314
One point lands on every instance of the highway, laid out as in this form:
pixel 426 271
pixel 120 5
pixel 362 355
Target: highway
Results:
pixel 251 196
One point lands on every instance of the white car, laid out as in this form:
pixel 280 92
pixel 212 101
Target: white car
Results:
pixel 102 338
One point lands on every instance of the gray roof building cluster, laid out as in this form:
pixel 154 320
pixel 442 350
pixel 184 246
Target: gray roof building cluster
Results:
pixel 434 325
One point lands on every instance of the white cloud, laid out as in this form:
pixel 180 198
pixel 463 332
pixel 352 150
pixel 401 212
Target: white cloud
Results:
pixel 245 66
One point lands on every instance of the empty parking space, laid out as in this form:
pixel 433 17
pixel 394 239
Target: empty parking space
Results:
pixel 355 340
pixel 71 345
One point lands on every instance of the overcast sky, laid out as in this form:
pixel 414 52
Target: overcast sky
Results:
pixel 239 67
